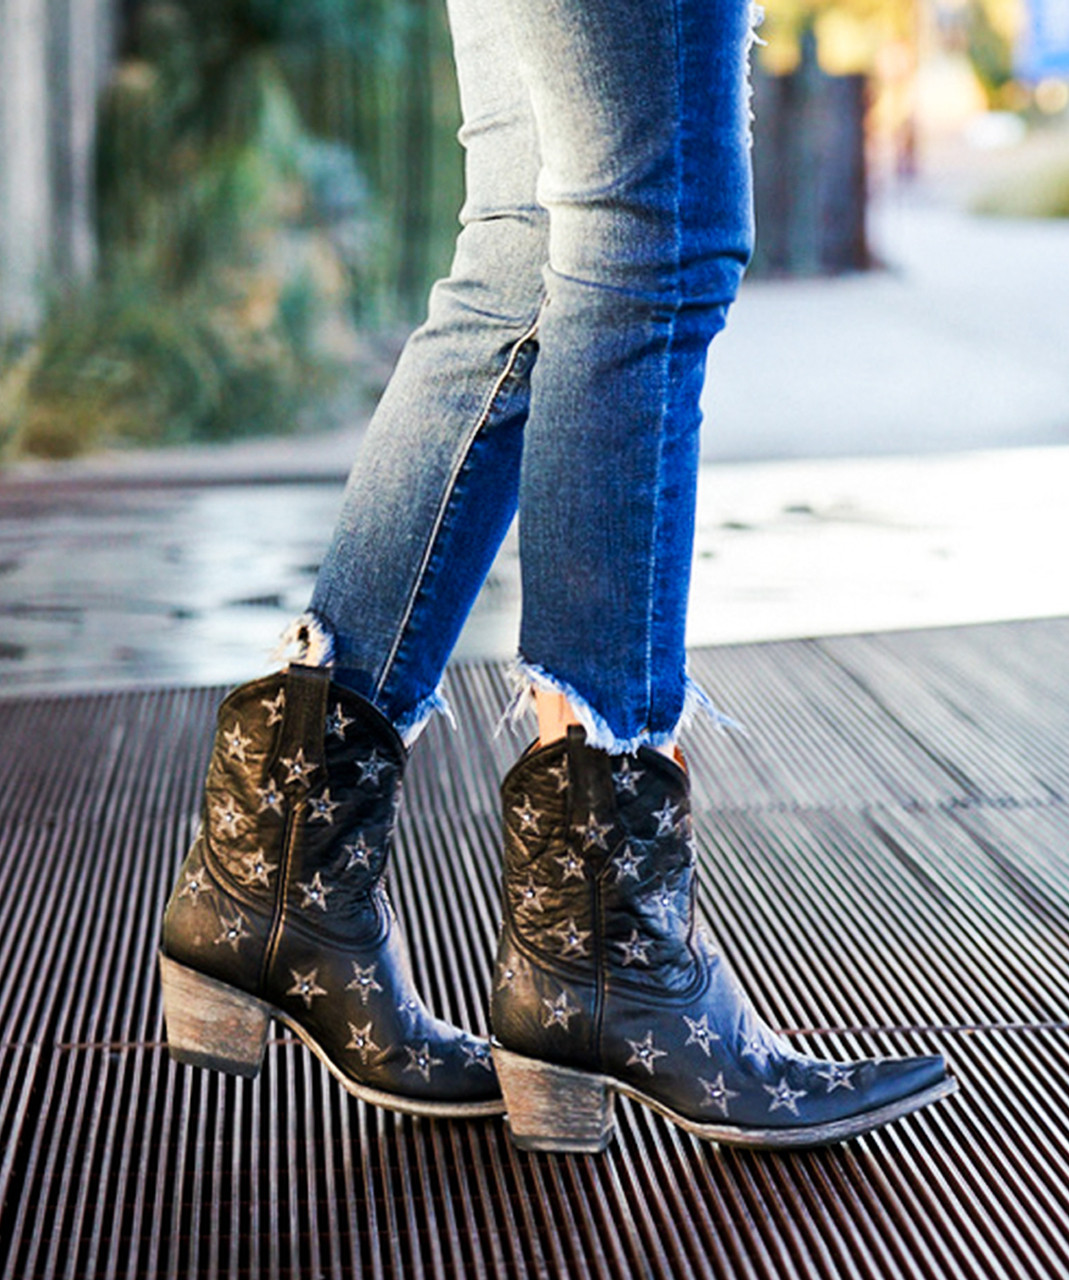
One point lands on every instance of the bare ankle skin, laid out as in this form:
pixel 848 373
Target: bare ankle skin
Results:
pixel 556 713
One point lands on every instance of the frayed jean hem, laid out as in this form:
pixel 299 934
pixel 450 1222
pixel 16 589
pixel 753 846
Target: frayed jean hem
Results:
pixel 311 641
pixel 527 677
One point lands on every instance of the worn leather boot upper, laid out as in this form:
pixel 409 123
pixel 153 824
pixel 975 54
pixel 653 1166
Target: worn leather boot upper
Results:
pixel 601 966
pixel 282 897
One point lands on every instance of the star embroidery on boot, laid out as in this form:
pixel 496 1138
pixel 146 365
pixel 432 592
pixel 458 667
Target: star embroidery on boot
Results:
pixel 573 939
pixel 194 883
pixel 560 773
pixel 359 853
pixel 232 931
pixel 666 818
pixel 227 818
pixel 594 833
pixel 717 1093
pixel 700 1033
pixel 363 981
pixel 297 767
pixel 420 1060
pixel 663 902
pixel 558 1012
pixel 757 1048
pixel 573 866
pixel 306 987
pixel 531 895
pixel 507 976
pixel 527 815
pixel 410 1008
pixel 626 865
pixel 236 742
pixel 634 949
pixel 315 892
pixel 360 1040
pixel 270 797
pixel 625 779
pixel 256 869
pixel 372 768
pixel 275 707
pixel 337 723
pixel 323 807
pixel 837 1077
pixel 784 1096
pixel 645 1052
pixel 476 1054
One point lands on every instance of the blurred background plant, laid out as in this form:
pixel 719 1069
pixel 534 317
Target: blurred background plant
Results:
pixel 269 183
pixel 215 215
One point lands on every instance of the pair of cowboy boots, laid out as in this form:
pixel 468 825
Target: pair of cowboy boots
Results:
pixel 603 984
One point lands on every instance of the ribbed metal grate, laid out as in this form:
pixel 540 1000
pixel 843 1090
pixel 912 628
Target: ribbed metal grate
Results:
pixel 885 861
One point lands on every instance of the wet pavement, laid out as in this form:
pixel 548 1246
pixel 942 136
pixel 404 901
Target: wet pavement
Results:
pixel 183 566
pixel 190 584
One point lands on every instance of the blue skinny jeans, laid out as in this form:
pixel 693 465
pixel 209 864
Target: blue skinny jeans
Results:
pixel 606 226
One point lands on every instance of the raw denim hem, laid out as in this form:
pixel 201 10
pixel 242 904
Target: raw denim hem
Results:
pixel 525 677
pixel 310 640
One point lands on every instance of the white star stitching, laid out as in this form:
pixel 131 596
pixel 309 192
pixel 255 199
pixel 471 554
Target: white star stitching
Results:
pixel 233 930
pixel 297 767
pixel 665 816
pixel 315 892
pixel 716 1093
pixel 645 1052
pixel 420 1060
pixel 371 768
pixel 337 723
pixel 560 772
pixel 360 1040
pixel 573 866
pixel 476 1054
pixel 531 895
pixel 559 1011
pixel 700 1033
pixel 837 1076
pixel 359 852
pixel 275 707
pixel 270 797
pixel 305 986
pixel 323 807
pixel 236 742
pixel 784 1096
pixel 256 868
pixel 634 949
pixel 363 981
pixel 527 815
pixel 594 833
pixel 573 939
pixel 626 865
pixel 625 779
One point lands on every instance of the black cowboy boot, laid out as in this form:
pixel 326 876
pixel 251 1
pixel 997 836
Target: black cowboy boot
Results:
pixel 280 910
pixel 603 985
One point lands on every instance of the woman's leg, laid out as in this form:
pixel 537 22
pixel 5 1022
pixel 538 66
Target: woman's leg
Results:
pixel 280 910
pixel 643 125
pixel 604 984
pixel 434 488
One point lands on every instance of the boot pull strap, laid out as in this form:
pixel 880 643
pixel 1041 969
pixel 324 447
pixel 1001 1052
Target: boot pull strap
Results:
pixel 307 692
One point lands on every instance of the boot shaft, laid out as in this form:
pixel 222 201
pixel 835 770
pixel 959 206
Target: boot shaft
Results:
pixel 296 822
pixel 598 890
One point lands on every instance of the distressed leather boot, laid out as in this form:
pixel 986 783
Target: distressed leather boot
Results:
pixel 280 909
pixel 603 985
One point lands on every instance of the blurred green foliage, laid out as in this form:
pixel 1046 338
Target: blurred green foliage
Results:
pixel 268 178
